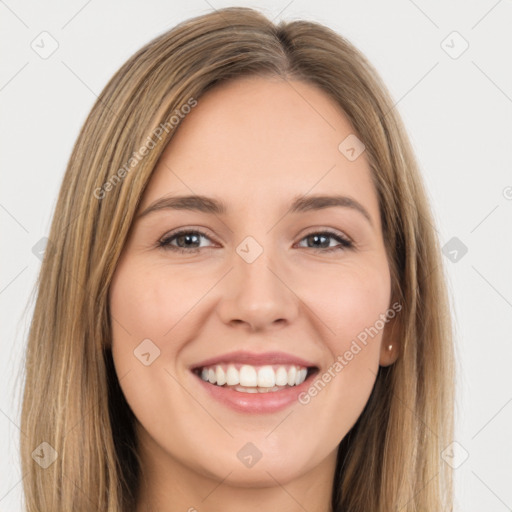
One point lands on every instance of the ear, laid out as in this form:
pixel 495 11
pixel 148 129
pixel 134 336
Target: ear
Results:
pixel 391 338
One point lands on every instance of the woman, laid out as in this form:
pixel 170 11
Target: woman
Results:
pixel 256 371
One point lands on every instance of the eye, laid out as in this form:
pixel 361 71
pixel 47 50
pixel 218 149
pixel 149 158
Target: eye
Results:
pixel 316 237
pixel 186 239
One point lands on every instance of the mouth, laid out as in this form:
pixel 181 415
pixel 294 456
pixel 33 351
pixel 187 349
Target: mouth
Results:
pixel 255 383
pixel 246 378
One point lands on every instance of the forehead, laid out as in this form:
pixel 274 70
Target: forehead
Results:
pixel 260 140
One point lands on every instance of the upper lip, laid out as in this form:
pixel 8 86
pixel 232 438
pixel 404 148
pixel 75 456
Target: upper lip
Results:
pixel 255 359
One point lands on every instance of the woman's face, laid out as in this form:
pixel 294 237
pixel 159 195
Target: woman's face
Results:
pixel 261 296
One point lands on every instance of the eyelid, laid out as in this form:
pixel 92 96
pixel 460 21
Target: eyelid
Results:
pixel 191 229
pixel 330 231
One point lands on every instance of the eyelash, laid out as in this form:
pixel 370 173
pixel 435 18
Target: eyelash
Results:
pixel 345 243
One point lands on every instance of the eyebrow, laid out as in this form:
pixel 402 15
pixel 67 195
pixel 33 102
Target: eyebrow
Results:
pixel 213 206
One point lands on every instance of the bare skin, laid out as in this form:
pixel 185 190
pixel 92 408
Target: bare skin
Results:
pixel 256 144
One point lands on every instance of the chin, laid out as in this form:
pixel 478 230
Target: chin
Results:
pixel 250 466
pixel 262 474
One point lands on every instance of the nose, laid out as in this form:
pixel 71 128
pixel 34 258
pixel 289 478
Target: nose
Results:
pixel 257 295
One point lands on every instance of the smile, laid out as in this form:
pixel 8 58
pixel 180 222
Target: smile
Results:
pixel 254 379
pixel 255 383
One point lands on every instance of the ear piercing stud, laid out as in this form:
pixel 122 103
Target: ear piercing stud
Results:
pixel 390 347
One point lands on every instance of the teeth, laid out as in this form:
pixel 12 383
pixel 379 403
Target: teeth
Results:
pixel 281 376
pixel 247 390
pixel 258 390
pixel 292 374
pixel 248 376
pixel 232 376
pixel 220 375
pixel 252 379
pixel 266 377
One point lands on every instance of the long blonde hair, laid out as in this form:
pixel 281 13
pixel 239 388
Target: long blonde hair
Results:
pixel 391 458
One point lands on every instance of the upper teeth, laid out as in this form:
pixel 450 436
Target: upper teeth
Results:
pixel 254 376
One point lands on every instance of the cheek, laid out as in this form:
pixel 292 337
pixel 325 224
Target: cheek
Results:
pixel 144 307
pixel 151 302
pixel 148 302
pixel 141 303
pixel 350 302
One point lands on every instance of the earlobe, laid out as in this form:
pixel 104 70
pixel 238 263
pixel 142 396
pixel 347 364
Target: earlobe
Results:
pixel 389 354
pixel 390 345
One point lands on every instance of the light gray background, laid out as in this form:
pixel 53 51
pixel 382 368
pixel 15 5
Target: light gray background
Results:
pixel 458 112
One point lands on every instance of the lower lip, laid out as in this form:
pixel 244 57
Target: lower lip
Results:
pixel 257 403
